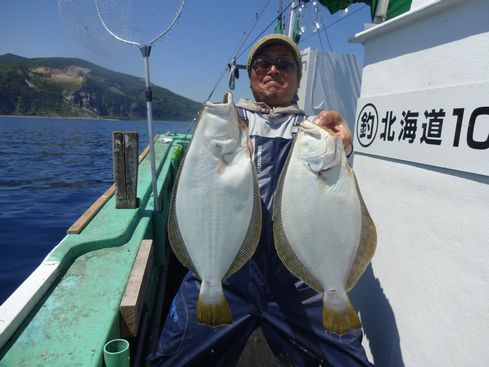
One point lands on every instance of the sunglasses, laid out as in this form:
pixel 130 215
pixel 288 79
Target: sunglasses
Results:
pixel 263 65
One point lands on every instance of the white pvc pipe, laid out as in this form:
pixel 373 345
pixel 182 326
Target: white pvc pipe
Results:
pixel 381 11
pixel 293 12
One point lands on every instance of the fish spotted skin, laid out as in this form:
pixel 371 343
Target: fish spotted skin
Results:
pixel 214 220
pixel 323 232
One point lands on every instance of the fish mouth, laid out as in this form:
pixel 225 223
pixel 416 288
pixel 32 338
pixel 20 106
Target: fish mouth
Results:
pixel 223 109
pixel 226 100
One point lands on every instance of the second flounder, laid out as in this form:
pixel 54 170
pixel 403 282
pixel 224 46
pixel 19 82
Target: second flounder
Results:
pixel 322 229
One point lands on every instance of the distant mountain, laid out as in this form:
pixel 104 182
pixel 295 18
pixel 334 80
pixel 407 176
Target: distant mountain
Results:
pixel 69 87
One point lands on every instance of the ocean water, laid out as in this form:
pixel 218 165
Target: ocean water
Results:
pixel 51 171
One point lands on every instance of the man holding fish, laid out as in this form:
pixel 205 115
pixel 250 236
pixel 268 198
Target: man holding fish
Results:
pixel 266 281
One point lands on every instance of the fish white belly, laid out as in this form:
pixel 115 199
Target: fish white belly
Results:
pixel 214 205
pixel 321 217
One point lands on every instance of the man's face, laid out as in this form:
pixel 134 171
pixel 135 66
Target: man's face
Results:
pixel 275 87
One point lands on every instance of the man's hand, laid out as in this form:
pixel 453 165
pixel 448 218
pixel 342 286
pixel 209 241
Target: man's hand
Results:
pixel 333 121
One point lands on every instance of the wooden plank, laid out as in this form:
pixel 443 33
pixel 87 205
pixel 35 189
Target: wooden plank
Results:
pixel 81 222
pixel 125 152
pixel 132 302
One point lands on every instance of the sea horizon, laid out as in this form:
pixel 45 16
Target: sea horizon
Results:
pixel 51 171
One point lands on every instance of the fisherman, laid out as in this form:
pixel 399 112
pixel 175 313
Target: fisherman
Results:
pixel 263 293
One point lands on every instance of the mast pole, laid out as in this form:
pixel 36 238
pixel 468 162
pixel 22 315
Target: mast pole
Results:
pixel 381 11
pixel 292 18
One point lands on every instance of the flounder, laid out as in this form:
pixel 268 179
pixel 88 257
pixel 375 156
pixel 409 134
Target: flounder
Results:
pixel 215 213
pixel 322 229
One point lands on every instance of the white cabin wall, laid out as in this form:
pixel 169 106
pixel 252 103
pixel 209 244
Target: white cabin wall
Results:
pixel 447 48
pixel 330 81
pixel 424 301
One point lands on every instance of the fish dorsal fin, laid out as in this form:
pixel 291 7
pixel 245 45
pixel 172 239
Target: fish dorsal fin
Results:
pixel 282 245
pixel 367 245
pixel 174 235
pixel 252 237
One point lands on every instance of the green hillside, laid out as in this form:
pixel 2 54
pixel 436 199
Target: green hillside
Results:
pixel 68 87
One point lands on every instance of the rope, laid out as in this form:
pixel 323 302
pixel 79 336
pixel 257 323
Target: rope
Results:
pixel 239 51
pixel 246 35
pixel 265 29
pixel 334 23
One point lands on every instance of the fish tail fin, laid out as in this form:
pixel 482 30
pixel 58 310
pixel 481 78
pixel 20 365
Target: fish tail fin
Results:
pixel 339 315
pixel 212 307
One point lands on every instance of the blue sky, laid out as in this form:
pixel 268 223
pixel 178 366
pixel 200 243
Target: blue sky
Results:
pixel 188 61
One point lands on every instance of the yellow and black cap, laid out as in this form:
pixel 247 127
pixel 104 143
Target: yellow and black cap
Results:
pixel 280 39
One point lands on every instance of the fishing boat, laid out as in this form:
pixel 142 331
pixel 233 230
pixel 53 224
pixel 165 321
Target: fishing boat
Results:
pixel 110 264
pixel 420 120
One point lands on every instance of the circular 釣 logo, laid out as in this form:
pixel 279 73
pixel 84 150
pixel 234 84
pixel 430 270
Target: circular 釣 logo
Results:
pixel 367 125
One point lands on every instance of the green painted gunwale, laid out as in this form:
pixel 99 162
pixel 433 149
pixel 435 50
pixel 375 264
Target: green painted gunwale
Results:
pixel 80 313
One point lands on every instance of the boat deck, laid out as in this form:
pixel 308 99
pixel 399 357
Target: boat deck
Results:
pixel 80 311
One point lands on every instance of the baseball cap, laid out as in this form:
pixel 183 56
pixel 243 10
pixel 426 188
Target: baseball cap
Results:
pixel 280 39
